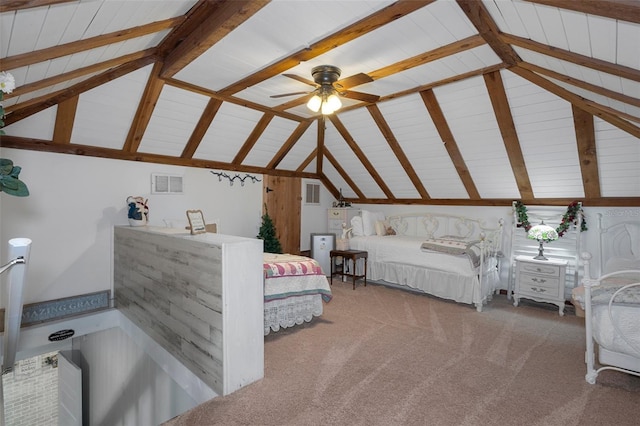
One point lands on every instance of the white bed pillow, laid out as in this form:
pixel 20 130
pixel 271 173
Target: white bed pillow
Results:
pixel 369 221
pixel 356 224
pixel 381 228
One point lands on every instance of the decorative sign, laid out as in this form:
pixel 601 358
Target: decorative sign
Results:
pixel 61 335
pixel 196 222
pixel 35 313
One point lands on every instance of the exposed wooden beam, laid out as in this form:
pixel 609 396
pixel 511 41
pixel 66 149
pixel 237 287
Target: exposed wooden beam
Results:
pixel 80 72
pixel 586 139
pixel 504 119
pixel 330 186
pixel 145 109
pixel 582 84
pixel 422 88
pixel 209 23
pixel 481 19
pixel 231 99
pixel 623 10
pixel 421 59
pixel 201 128
pixel 34 106
pixel 397 150
pixel 345 175
pixel 12 5
pixel 312 156
pixel 42 55
pixel 289 143
pixel 94 151
pixel 580 102
pixel 361 155
pixel 587 202
pixel 366 25
pixel 575 58
pixel 430 56
pixel 439 120
pixel 65 116
pixel 253 138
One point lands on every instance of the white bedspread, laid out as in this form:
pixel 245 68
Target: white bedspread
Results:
pixel 406 250
pixel 399 260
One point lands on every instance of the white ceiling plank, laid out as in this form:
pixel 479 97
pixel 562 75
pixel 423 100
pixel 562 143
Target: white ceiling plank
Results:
pixel 174 118
pixel 547 138
pixel 25 30
pixel 467 108
pixel 551 23
pixel 105 113
pixel 270 141
pixel 227 133
pixel 576 31
pixel 602 35
pixel 628 52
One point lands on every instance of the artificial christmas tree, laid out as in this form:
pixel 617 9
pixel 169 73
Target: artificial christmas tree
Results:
pixel 268 234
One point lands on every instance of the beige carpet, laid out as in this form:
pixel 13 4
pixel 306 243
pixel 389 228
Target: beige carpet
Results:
pixel 382 356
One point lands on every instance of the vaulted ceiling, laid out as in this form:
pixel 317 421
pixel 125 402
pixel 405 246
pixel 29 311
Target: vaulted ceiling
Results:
pixel 456 102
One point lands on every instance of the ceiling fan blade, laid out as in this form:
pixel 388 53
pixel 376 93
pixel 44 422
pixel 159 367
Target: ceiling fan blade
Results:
pixel 301 79
pixel 289 94
pixel 365 97
pixel 354 80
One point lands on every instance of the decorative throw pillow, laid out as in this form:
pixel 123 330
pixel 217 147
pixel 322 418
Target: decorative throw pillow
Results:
pixel 356 224
pixel 391 231
pixel 381 228
pixel 369 221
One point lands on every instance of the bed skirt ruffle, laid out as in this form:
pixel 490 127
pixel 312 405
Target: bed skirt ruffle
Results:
pixel 284 313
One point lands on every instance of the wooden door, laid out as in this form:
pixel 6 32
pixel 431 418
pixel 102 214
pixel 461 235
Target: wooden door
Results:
pixel 282 197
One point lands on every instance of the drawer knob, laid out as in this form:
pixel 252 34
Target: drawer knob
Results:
pixel 538 290
pixel 539 280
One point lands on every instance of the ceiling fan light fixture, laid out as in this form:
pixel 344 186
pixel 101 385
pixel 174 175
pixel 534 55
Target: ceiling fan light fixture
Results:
pixel 334 102
pixel 314 103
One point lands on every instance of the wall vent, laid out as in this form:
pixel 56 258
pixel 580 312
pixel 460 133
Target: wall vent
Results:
pixel 312 194
pixel 166 184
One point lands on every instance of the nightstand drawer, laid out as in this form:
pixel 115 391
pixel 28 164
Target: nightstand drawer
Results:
pixel 538 282
pixel 337 214
pixel 547 270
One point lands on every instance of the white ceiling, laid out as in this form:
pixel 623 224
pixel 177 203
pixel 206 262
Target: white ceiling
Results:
pixel 397 150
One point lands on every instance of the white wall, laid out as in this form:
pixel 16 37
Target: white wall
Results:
pixel 314 217
pixel 75 201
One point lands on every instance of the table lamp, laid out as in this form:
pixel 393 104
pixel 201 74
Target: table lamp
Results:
pixel 542 233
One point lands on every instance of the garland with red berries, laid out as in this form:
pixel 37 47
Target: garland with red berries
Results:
pixel 570 217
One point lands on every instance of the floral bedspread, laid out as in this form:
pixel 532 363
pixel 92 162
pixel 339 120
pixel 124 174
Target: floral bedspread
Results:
pixel 288 275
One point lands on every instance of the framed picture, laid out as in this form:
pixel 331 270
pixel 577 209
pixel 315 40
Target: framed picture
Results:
pixel 196 222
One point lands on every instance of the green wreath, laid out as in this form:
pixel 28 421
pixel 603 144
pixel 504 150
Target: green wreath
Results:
pixel 570 217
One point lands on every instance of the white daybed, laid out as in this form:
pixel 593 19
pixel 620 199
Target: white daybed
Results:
pixel 295 288
pixel 611 302
pixel 448 256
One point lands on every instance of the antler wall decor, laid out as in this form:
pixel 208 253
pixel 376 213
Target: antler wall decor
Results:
pixel 221 175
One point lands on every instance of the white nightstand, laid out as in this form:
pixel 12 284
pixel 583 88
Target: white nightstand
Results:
pixel 540 280
pixel 336 216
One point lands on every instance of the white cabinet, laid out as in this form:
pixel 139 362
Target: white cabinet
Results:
pixel 540 280
pixel 337 216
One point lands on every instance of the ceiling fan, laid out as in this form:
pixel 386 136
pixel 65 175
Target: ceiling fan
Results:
pixel 328 89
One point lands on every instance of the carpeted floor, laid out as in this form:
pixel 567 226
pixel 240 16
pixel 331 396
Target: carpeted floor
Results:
pixel 383 356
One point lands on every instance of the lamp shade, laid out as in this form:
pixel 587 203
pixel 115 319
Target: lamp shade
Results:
pixel 314 103
pixel 542 232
